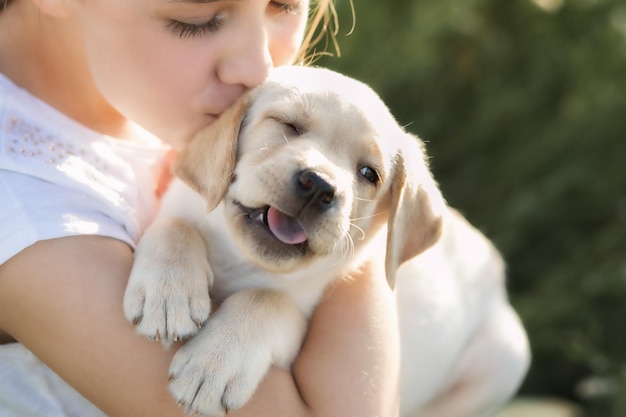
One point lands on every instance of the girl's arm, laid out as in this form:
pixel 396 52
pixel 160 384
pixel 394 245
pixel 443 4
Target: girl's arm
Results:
pixel 62 299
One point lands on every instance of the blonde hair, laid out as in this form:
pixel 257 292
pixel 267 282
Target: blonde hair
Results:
pixel 322 27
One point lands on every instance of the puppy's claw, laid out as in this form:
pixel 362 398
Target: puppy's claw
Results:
pixel 198 323
pixel 137 320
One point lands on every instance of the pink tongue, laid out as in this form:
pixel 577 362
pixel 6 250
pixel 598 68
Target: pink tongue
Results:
pixel 284 227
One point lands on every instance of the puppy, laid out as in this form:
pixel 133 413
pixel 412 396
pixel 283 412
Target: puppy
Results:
pixel 288 190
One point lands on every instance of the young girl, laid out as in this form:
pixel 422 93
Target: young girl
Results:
pixel 79 181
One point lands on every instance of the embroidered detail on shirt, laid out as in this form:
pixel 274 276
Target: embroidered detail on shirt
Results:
pixel 31 141
pixel 93 164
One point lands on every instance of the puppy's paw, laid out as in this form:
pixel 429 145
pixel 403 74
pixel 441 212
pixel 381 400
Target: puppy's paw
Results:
pixel 220 368
pixel 217 372
pixel 167 297
pixel 168 310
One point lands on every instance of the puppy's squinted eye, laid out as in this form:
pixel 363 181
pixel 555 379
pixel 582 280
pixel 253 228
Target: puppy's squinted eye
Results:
pixel 289 128
pixel 370 174
pixel 294 129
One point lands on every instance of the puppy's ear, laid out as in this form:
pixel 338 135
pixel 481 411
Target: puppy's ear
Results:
pixel 417 206
pixel 208 162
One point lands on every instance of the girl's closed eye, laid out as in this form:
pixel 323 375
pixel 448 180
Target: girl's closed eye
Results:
pixel 191 30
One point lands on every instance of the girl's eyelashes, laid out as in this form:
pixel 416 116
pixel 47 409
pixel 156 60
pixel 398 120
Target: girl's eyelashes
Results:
pixel 191 30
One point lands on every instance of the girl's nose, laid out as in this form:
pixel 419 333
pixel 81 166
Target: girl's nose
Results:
pixel 248 60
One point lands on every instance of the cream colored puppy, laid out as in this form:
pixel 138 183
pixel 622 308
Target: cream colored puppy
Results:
pixel 287 191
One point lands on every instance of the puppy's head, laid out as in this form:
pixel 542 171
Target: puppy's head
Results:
pixel 309 166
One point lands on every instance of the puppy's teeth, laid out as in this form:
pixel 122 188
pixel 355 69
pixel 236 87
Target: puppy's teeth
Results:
pixel 264 216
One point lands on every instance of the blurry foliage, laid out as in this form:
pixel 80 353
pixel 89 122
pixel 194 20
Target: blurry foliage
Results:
pixel 523 109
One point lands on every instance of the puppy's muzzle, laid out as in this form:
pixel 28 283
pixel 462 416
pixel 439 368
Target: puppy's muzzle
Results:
pixel 315 190
pixel 302 209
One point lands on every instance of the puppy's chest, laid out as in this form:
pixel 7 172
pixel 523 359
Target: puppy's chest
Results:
pixel 305 291
pixel 233 272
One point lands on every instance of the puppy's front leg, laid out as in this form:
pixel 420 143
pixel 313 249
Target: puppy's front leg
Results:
pixel 219 369
pixel 167 296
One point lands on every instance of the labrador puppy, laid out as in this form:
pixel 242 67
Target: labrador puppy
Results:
pixel 288 190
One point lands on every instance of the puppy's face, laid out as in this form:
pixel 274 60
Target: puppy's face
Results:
pixel 308 179
pixel 319 165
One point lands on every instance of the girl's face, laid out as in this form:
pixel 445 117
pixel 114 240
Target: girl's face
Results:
pixel 173 66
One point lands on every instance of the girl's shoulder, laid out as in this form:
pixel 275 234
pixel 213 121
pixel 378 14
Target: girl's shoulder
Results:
pixel 37 123
pixel 59 178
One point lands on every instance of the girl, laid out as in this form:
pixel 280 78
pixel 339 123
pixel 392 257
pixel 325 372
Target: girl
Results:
pixel 79 181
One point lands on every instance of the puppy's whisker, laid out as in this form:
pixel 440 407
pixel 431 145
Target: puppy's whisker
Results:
pixel 364 199
pixel 354 219
pixel 350 245
pixel 371 216
pixel 359 229
pixel 344 251
pixel 347 249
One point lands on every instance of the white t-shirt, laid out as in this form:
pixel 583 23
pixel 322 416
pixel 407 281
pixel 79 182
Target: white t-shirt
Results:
pixel 59 178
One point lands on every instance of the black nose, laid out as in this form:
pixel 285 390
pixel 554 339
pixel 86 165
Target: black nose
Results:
pixel 311 186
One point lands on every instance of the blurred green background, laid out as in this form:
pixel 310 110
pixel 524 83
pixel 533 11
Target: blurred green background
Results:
pixel 522 104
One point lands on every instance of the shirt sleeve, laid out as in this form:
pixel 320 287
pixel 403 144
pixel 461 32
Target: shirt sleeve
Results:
pixel 29 388
pixel 33 209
